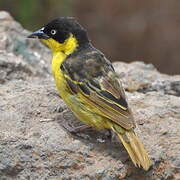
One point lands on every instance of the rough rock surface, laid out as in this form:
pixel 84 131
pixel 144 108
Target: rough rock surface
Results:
pixel 33 143
pixel 19 54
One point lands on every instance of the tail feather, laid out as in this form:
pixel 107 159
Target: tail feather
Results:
pixel 135 149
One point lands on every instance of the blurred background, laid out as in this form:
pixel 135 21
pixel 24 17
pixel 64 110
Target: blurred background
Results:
pixel 124 30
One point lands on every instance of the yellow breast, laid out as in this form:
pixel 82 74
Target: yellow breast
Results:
pixel 57 60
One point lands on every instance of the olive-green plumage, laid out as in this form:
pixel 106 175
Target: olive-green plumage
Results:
pixel 88 84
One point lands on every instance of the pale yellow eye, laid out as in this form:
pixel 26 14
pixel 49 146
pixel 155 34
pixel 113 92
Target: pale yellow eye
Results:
pixel 53 31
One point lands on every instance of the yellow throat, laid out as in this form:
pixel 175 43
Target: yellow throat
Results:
pixel 60 51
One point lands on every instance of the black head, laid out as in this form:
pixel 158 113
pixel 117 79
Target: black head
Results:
pixel 60 29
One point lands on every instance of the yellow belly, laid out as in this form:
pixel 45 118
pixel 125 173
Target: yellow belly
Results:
pixel 80 108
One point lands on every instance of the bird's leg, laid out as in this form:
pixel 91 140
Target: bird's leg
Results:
pixel 53 93
pixel 112 136
pixel 109 134
pixel 76 129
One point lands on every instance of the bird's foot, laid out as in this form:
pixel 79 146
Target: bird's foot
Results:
pixel 75 129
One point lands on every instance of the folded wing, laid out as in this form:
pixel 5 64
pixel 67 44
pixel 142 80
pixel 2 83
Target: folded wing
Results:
pixel 93 78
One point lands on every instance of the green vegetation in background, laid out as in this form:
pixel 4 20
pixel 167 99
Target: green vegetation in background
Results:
pixel 34 13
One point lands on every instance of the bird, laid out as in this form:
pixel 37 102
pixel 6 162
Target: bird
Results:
pixel 88 84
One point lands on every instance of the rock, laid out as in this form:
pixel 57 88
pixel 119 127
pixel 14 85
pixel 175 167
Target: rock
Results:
pixel 14 42
pixel 141 77
pixel 34 145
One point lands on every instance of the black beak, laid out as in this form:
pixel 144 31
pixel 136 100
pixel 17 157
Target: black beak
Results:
pixel 39 35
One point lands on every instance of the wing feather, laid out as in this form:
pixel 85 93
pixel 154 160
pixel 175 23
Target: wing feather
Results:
pixel 95 82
